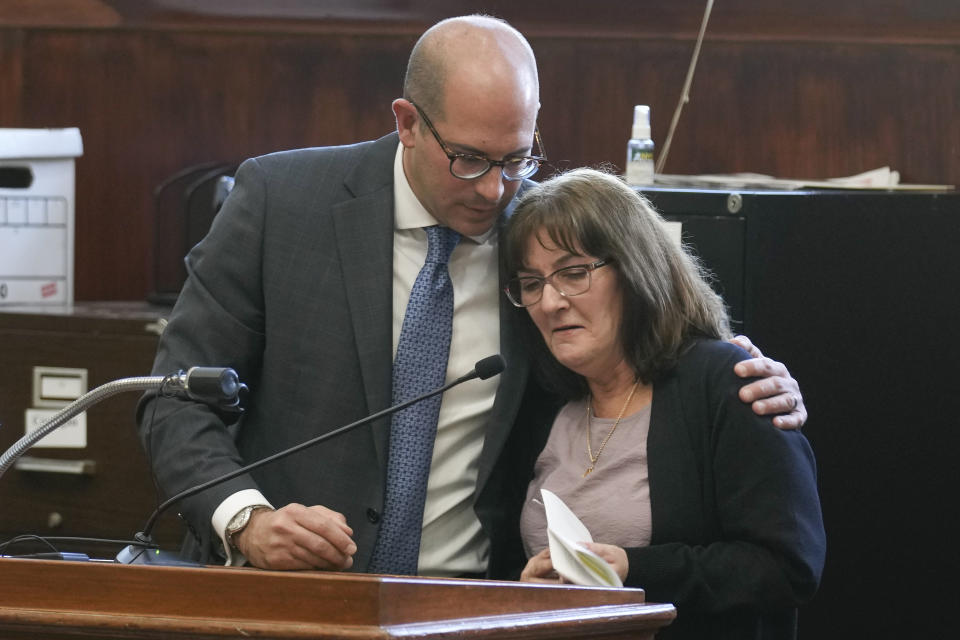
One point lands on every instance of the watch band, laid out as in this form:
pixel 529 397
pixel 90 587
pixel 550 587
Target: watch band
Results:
pixel 240 521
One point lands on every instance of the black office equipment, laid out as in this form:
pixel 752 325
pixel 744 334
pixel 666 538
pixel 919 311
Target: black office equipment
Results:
pixel 856 292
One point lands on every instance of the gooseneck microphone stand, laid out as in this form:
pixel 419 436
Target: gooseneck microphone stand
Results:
pixel 207 384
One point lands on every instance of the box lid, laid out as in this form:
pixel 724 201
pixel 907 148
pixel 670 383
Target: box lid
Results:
pixel 40 143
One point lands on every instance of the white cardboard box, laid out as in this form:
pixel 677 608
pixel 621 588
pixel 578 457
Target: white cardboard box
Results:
pixel 37 215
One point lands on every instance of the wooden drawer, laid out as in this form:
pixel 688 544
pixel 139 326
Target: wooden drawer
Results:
pixel 110 341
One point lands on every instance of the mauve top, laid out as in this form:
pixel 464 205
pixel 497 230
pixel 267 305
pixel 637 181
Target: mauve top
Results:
pixel 613 501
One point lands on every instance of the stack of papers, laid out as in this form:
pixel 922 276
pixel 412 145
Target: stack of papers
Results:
pixel 883 178
pixel 571 559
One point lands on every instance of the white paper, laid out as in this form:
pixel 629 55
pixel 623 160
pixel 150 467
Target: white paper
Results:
pixel 571 559
pixel 882 178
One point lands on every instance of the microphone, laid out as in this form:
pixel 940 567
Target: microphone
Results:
pixel 218 386
pixel 135 553
pixel 212 385
pixel 486 368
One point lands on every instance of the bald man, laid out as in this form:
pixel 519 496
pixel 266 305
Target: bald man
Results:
pixel 302 285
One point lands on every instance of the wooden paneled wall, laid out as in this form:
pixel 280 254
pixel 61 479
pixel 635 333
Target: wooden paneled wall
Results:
pixel 794 89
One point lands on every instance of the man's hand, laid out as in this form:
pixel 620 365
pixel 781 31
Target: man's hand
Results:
pixel 776 393
pixel 297 537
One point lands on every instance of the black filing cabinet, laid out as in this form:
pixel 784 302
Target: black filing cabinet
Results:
pixel 857 293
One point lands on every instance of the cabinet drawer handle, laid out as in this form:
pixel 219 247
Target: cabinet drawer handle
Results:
pixel 55 465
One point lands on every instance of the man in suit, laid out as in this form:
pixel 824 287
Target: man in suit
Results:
pixel 302 286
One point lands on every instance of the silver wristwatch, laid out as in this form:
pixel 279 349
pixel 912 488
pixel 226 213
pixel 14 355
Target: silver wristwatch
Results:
pixel 240 521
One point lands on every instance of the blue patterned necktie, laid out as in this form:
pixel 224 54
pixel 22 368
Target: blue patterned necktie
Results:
pixel 420 366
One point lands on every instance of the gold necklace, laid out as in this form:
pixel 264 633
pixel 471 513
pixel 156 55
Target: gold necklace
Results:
pixel 594 458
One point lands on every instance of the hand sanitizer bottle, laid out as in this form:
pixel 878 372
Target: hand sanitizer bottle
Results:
pixel 640 148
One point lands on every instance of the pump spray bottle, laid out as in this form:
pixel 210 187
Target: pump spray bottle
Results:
pixel 640 148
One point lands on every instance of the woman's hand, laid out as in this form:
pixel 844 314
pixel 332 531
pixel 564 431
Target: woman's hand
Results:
pixel 614 555
pixel 540 569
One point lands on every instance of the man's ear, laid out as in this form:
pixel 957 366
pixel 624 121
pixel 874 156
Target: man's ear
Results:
pixel 407 121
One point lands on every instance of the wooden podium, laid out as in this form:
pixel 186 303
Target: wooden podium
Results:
pixel 56 600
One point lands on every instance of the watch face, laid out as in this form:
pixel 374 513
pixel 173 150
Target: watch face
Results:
pixel 239 521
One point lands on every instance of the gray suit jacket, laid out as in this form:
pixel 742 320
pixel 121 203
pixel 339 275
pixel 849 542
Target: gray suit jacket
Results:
pixel 292 288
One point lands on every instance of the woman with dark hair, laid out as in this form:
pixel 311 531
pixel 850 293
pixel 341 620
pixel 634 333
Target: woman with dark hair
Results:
pixel 694 497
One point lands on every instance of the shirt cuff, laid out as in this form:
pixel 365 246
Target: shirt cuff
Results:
pixel 230 507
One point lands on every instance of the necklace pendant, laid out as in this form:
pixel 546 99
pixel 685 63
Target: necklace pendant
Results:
pixel 588 471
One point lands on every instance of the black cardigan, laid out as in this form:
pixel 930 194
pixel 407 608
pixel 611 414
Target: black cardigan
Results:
pixel 738 540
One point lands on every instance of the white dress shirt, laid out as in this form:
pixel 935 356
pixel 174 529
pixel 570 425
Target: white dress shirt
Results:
pixel 452 541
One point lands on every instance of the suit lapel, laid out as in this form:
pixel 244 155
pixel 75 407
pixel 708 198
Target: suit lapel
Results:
pixel 364 230
pixel 513 380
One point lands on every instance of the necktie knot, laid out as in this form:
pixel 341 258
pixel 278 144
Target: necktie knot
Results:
pixel 441 243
